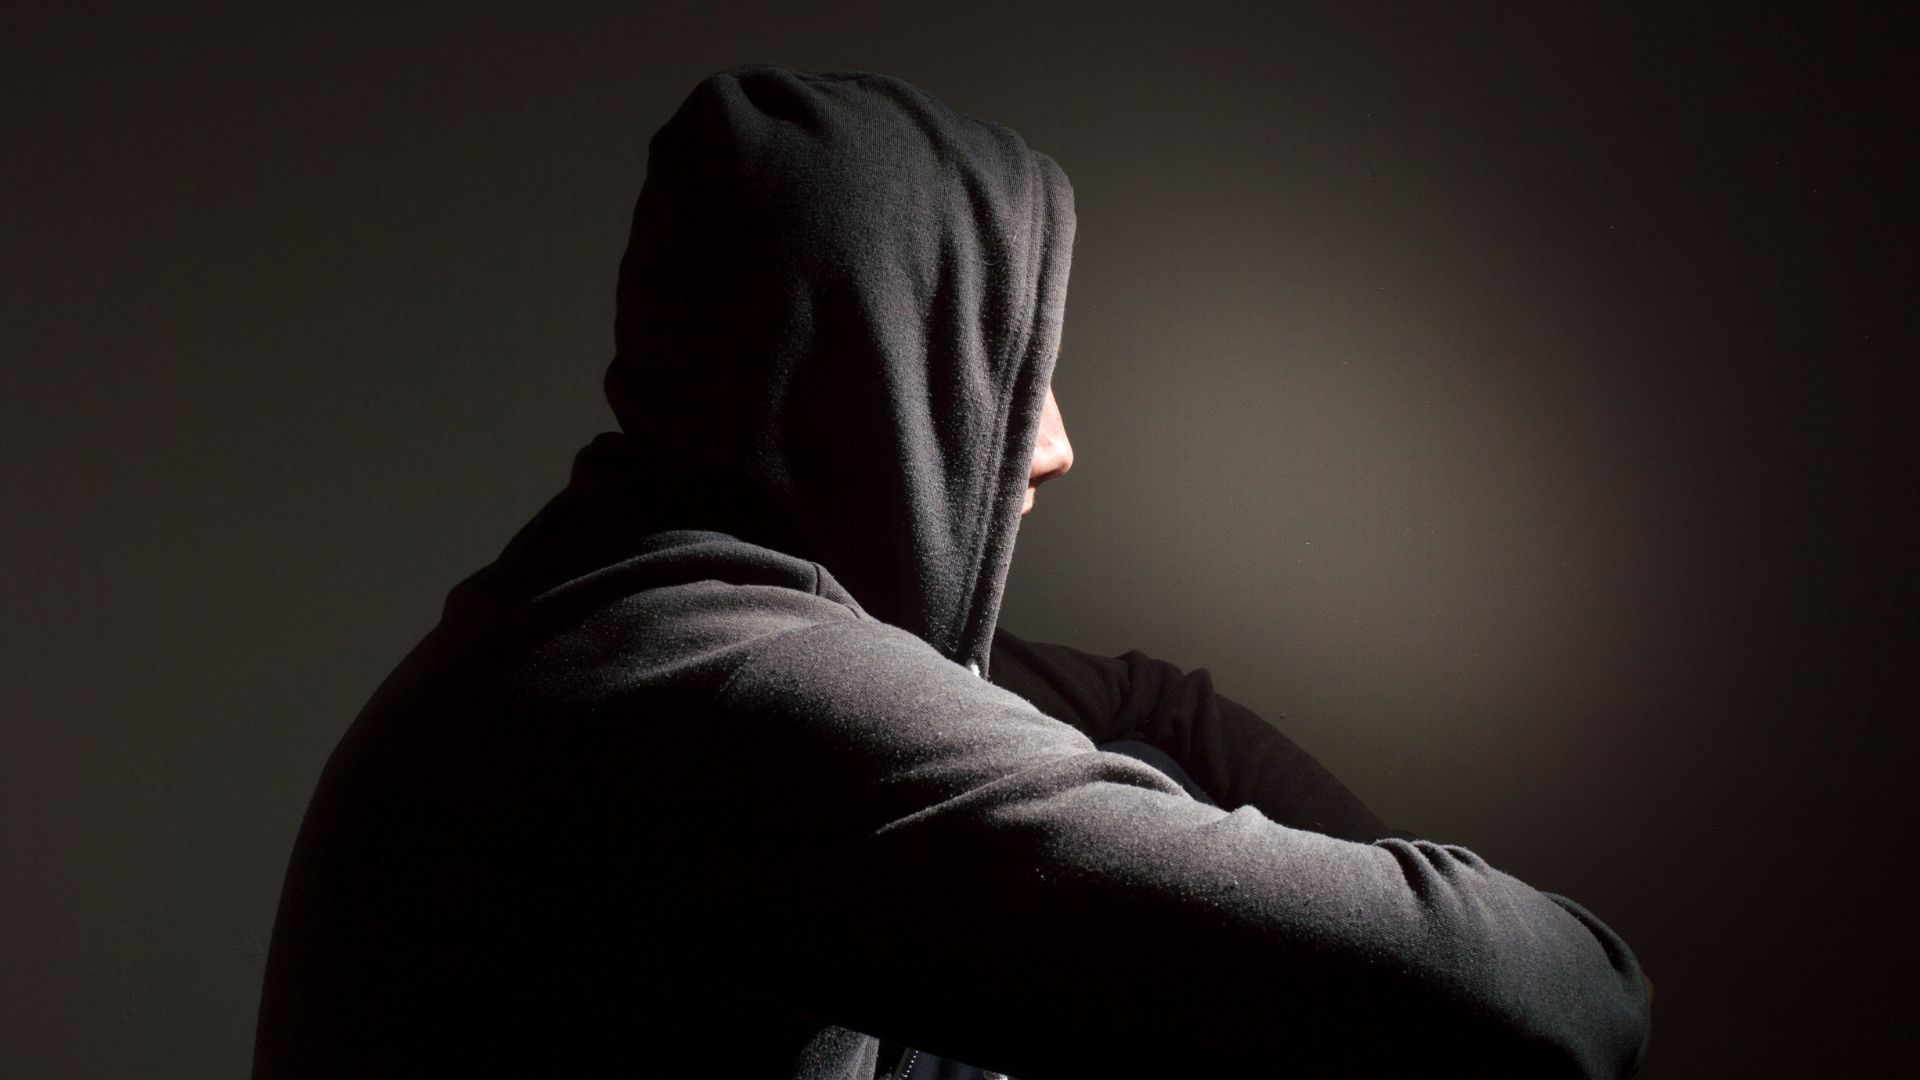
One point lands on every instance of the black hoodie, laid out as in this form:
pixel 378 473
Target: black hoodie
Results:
pixel 698 777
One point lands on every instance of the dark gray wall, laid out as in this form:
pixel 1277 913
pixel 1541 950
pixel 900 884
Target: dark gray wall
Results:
pixel 1517 410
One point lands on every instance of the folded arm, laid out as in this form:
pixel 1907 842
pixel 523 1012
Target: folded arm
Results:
pixel 897 814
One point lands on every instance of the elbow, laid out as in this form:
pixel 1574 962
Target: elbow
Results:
pixel 1553 989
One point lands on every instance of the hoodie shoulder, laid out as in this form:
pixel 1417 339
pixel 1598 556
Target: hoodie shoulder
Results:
pixel 678 616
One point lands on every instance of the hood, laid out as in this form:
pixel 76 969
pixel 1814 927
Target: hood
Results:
pixel 838 317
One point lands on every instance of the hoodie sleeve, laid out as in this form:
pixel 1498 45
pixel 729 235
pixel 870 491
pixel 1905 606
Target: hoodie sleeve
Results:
pixel 1234 754
pixel 1010 896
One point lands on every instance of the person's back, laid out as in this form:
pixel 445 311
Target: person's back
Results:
pixel 703 773
pixel 504 871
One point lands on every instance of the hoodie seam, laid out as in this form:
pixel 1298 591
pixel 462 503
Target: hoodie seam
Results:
pixel 754 653
pixel 726 687
pixel 820 575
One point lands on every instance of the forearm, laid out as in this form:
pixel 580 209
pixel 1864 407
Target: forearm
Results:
pixel 1237 756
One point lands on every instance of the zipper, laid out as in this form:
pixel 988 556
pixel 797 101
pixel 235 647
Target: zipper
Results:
pixel 905 1069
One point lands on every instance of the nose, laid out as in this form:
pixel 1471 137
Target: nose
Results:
pixel 1052 453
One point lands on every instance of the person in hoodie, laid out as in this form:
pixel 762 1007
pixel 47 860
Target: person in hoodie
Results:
pixel 724 768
